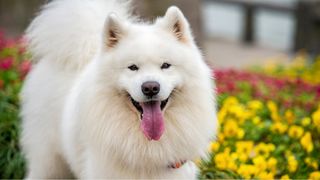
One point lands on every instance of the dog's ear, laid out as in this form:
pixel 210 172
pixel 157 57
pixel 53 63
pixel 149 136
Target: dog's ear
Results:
pixel 175 22
pixel 113 31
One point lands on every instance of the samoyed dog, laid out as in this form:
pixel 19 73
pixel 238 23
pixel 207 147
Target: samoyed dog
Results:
pixel 110 96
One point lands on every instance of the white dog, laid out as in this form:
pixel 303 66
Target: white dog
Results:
pixel 112 97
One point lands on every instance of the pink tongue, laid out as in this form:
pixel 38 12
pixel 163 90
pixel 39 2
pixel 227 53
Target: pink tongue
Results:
pixel 152 123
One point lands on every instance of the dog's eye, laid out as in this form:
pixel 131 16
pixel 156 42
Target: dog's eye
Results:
pixel 133 67
pixel 165 66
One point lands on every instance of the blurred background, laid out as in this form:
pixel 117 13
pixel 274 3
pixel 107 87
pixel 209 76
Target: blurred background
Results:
pixel 232 33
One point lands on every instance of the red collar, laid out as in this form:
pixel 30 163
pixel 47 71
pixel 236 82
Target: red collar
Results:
pixel 177 165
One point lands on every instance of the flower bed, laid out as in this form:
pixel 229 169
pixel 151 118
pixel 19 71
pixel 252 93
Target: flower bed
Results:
pixel 269 120
pixel 13 68
pixel 269 124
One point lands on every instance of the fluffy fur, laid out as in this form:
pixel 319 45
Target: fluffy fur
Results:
pixel 78 119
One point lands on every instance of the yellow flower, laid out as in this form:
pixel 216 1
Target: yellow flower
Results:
pixel 271 147
pixel 244 147
pixel 221 161
pixel 243 157
pixel 289 116
pixel 292 164
pixel 288 153
pixel 270 66
pixel 240 133
pixel 231 100
pixel 272 164
pixel 232 165
pixel 272 106
pixel 295 131
pixel 255 105
pixel 311 163
pixel 244 115
pixel 315 165
pixel 256 120
pixel 275 116
pixel 226 160
pixel 314 175
pixel 307 160
pixel 221 138
pixel 222 114
pixel 214 146
pixel 227 151
pixel 265 175
pixel 247 171
pixel 264 149
pixel 236 110
pixel 279 127
pixel 305 121
pixel 306 142
pixel 234 156
pixel 230 128
pixel 316 118
pixel 260 163
pixel 285 177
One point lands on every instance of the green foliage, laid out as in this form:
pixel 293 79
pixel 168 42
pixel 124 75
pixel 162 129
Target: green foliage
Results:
pixel 13 67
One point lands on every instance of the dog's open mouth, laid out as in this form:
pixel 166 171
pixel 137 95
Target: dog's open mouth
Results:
pixel 139 108
pixel 151 114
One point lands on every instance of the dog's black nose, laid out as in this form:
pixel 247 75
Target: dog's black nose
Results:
pixel 150 88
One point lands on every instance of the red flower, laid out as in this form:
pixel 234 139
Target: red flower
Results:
pixel 6 63
pixel 25 67
pixel 10 43
pixel 22 44
pixel 318 91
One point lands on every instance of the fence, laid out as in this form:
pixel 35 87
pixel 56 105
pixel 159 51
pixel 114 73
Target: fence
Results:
pixel 306 13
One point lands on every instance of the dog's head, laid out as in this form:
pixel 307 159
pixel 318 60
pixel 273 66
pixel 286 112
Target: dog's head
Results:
pixel 150 63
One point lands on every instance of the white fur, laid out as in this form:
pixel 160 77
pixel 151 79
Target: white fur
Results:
pixel 77 117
